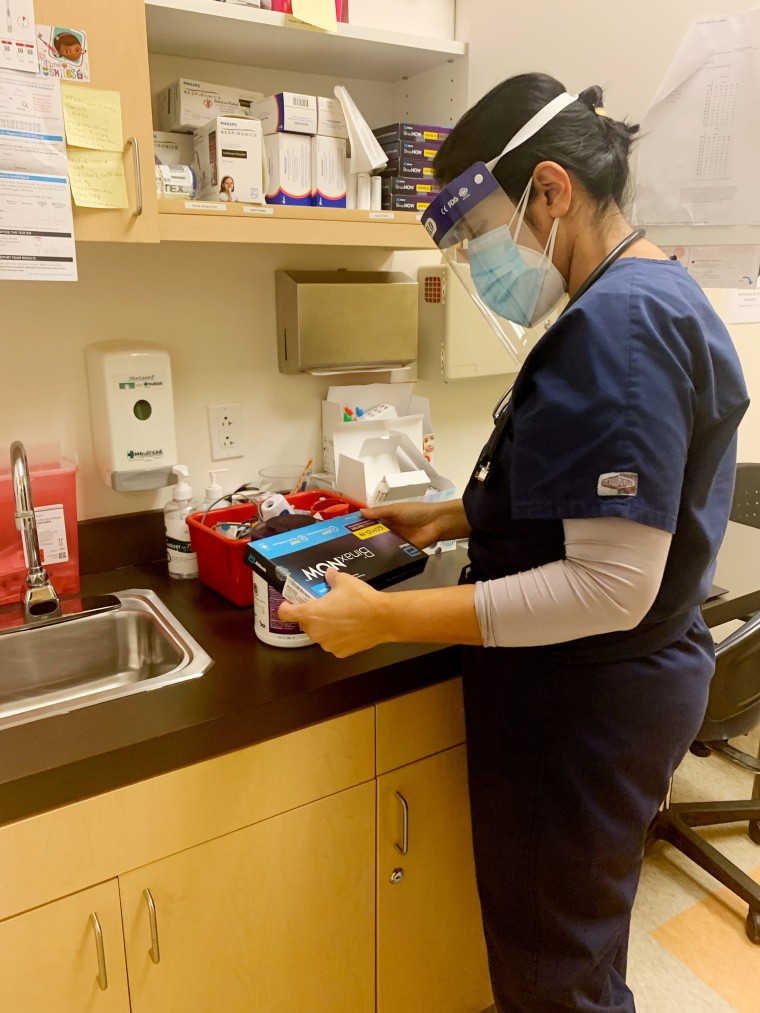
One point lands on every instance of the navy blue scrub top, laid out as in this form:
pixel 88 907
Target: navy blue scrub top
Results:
pixel 628 406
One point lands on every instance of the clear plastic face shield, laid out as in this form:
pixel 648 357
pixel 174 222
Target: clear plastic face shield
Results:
pixel 486 240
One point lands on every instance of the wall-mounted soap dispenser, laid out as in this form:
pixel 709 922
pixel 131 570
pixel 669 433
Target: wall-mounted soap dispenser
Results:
pixel 132 414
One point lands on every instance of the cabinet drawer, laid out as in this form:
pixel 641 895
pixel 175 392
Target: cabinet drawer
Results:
pixel 419 724
pixel 68 849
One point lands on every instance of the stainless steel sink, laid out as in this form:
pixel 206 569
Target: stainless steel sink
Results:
pixel 52 669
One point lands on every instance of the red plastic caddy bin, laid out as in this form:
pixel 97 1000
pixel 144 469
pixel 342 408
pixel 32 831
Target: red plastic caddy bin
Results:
pixel 220 559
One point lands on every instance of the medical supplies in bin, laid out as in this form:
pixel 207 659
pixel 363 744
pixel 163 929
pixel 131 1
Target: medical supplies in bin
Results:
pixel 221 559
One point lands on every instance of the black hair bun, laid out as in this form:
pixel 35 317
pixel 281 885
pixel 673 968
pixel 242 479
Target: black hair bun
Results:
pixel 592 97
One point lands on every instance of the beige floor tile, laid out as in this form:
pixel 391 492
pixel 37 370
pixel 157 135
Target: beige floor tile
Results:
pixel 670 910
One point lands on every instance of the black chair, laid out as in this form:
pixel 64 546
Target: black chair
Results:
pixel 745 507
pixel 733 709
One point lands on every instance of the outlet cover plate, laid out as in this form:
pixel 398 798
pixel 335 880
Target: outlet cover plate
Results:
pixel 225 429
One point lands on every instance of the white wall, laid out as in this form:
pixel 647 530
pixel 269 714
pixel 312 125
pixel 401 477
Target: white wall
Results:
pixel 212 307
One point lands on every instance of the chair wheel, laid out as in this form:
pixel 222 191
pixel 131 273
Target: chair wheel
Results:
pixel 700 749
pixel 752 926
pixel 754 830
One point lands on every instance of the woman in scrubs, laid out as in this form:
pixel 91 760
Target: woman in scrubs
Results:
pixel 594 517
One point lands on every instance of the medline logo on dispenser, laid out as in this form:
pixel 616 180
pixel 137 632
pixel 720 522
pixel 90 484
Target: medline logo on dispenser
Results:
pixel 145 455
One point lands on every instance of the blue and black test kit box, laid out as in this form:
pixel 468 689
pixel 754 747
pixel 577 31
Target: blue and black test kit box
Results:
pixel 295 563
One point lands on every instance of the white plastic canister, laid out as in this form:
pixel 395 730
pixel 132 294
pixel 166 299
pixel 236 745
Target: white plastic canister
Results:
pixel 270 629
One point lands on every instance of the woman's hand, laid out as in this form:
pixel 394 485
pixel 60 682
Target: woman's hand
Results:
pixel 348 619
pixel 423 524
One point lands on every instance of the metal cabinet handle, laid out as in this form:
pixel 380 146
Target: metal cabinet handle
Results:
pixel 403 848
pixel 135 145
pixel 154 951
pixel 102 978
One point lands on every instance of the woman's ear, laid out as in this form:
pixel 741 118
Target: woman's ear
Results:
pixel 554 189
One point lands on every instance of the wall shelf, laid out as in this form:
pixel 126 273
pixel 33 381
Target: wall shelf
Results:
pixel 209 30
pixel 246 223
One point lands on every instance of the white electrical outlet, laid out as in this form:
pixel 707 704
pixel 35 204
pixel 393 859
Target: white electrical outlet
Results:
pixel 226 431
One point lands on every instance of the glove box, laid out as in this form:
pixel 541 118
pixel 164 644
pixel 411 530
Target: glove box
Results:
pixel 333 321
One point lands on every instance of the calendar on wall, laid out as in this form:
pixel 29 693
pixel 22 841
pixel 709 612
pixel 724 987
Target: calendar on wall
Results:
pixel 698 155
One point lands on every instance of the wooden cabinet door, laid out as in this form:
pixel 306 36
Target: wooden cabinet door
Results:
pixel 275 918
pixel 118 51
pixel 50 960
pixel 431 951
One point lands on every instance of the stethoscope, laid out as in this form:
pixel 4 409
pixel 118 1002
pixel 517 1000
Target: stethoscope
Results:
pixel 500 412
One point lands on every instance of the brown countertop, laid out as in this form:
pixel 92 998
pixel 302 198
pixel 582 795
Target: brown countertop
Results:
pixel 253 692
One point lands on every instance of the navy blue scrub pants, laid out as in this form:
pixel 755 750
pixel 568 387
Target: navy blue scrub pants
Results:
pixel 568 764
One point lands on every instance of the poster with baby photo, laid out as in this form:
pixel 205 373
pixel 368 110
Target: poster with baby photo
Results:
pixel 63 53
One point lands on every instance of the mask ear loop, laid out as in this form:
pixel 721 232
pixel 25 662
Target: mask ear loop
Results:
pixel 520 210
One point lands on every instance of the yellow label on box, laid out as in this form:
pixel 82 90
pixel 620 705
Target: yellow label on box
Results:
pixel 376 529
pixel 430 152
pixel 430 135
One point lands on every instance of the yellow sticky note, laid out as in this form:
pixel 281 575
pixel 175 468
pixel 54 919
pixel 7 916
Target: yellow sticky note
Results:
pixel 97 179
pixel 92 117
pixel 320 13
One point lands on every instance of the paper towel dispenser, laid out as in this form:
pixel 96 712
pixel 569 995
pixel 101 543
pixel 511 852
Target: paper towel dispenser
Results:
pixel 343 321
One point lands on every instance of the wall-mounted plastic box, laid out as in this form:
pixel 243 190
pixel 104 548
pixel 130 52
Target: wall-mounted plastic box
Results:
pixel 54 495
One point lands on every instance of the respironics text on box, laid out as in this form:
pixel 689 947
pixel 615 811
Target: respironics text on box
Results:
pixel 172 148
pixel 229 158
pixel 187 104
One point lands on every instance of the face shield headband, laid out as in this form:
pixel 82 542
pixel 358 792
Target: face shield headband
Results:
pixel 492 250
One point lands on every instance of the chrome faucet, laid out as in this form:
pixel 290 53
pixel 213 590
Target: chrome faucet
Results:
pixel 40 600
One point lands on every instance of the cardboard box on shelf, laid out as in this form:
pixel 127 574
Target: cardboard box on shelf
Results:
pixel 330 119
pixel 328 172
pixel 186 104
pixel 287 112
pixel 426 150
pixel 172 148
pixel 288 169
pixel 410 187
pixel 410 132
pixel 229 160
pixel 411 168
pixel 407 202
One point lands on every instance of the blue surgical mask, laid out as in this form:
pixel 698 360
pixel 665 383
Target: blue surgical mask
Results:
pixel 515 282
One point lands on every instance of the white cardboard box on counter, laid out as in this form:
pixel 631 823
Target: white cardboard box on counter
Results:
pixel 346 437
pixel 387 467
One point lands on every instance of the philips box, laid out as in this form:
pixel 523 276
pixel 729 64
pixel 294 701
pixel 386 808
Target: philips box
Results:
pixel 172 148
pixel 288 168
pixel 287 113
pixel 229 160
pixel 295 563
pixel 187 104
pixel 328 172
pixel 330 119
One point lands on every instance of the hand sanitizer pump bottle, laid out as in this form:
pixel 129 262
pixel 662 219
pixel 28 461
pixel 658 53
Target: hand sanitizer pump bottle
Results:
pixel 183 562
pixel 214 498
